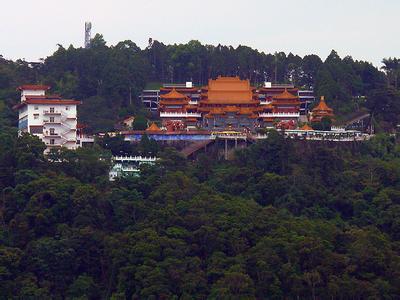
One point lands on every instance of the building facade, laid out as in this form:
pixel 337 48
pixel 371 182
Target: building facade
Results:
pixel 51 118
pixel 124 166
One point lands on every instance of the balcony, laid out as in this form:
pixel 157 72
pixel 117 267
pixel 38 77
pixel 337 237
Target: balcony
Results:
pixel 51 135
pixel 68 116
pixel 51 112
pixel 53 145
pixel 280 115
pixel 179 115
pixel 134 158
pixel 51 122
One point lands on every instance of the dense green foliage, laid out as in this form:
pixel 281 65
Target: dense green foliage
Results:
pixel 280 220
pixel 108 79
pixel 284 219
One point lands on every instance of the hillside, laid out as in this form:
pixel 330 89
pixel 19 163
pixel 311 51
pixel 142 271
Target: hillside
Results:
pixel 108 79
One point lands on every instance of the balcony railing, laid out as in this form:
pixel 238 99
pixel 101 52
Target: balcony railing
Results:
pixel 51 122
pixel 179 115
pixel 51 112
pixel 135 158
pixel 280 115
pixel 51 135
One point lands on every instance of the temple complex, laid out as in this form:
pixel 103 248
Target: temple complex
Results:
pixel 229 103
pixel 320 111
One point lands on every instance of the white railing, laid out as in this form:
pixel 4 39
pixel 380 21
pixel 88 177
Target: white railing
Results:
pixel 135 158
pixel 280 115
pixel 86 139
pixel 193 102
pixel 179 115
pixel 51 122
pixel 68 116
pixel 53 112
pixel 337 128
pixel 51 135
pixel 264 102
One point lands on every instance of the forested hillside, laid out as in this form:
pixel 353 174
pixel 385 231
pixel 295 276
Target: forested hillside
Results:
pixel 282 220
pixel 108 79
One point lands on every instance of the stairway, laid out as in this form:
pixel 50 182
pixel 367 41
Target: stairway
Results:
pixel 194 147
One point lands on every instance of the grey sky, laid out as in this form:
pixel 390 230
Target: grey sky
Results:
pixel 365 29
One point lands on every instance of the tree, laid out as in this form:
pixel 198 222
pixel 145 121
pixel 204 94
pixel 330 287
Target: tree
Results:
pixel 140 123
pixel 392 69
pixel 384 104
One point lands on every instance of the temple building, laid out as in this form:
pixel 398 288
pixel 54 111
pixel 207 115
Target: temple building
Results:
pixel 321 110
pixel 177 112
pixel 229 103
pixel 187 89
pixel 282 111
pixel 270 90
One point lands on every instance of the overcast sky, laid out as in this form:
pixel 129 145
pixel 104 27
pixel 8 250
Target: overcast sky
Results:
pixel 365 29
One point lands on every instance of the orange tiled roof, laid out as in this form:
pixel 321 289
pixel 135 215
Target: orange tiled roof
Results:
pixel 34 87
pixel 47 101
pixel 246 111
pixel 153 127
pixel 229 90
pixel 231 108
pixel 174 94
pixel 285 96
pixel 191 120
pixel 306 127
pixel 322 106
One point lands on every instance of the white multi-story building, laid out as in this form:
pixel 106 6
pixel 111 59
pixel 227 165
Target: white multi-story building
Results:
pixel 51 118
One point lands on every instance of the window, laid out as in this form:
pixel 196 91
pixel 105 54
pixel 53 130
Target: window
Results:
pixel 52 131
pixel 36 129
pixel 35 116
pixel 36 107
pixel 67 108
pixel 51 109
pixel 51 119
pixel 52 141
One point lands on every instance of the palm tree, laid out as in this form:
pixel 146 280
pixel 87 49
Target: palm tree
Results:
pixel 392 69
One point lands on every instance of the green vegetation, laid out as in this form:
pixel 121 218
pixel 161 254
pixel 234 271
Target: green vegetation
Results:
pixel 279 221
pixel 109 79
pixel 284 219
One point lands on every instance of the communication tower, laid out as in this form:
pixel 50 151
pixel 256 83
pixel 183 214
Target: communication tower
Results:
pixel 88 32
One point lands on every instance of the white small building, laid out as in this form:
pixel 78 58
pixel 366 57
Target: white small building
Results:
pixel 51 118
pixel 123 166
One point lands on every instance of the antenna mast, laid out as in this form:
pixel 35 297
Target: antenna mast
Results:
pixel 88 33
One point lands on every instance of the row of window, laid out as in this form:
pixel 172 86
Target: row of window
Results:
pixel 51 108
pixel 36 117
